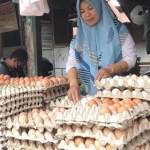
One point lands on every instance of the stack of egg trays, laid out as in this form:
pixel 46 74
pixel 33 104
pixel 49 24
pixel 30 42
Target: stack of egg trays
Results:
pixel 52 92
pixel 3 140
pixel 48 124
pixel 143 138
pixel 23 144
pixel 86 115
pixel 144 126
pixel 127 82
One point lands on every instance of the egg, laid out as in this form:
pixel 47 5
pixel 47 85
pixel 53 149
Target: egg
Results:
pixel 128 105
pixel 42 113
pixel 133 103
pixel 137 101
pixel 137 148
pixel 122 109
pixel 48 111
pixel 122 103
pixel 51 114
pixel 74 127
pixel 108 147
pixel 45 82
pixel 95 129
pixel 117 105
pixel 98 100
pixel 35 114
pixel 35 110
pixel 89 142
pixel 106 131
pixel 6 77
pixel 106 104
pixel 39 119
pixel 113 108
pixel 38 134
pixel 31 132
pixel 64 126
pixel 14 131
pixel 55 110
pixel 92 102
pixel 119 133
pixel 23 113
pixel 84 128
pixel 78 140
pixel 37 144
pixel 45 145
pixel 127 100
pixel 116 100
pixel 135 124
pixel 68 140
pixel 62 110
pixel 97 145
pixel 23 118
pixel 105 110
pixel 106 100
pixel 45 116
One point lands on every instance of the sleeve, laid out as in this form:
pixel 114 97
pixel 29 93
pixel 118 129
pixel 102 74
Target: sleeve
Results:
pixel 129 52
pixel 3 70
pixel 71 62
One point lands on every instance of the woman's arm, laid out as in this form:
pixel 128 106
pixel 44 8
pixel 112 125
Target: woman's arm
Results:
pixel 73 92
pixel 128 61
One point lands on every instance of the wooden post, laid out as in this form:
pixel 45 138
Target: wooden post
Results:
pixel 34 46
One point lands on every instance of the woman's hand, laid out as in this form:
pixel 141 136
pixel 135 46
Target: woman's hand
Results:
pixel 103 73
pixel 74 91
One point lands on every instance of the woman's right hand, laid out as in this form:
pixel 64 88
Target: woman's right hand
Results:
pixel 74 91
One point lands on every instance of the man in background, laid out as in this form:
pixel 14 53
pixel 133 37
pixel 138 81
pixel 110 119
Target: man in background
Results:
pixel 13 65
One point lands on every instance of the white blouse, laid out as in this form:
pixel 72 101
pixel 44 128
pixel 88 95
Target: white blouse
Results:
pixel 128 54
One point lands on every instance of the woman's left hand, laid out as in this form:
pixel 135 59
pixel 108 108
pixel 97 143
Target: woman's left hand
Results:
pixel 103 73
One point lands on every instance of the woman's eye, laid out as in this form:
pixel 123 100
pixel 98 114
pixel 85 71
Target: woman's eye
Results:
pixel 90 8
pixel 81 12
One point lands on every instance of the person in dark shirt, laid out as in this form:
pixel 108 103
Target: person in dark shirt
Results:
pixel 47 67
pixel 13 65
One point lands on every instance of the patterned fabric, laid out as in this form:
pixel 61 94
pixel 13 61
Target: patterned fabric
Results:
pixel 97 46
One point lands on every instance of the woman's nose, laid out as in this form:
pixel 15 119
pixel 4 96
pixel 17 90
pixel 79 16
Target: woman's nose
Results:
pixel 87 13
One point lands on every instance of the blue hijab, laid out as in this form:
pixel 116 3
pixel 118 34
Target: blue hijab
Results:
pixel 97 46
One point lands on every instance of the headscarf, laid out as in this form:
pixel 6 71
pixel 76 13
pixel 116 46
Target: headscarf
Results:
pixel 97 46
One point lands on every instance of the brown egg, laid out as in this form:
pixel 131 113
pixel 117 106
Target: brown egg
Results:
pixel 6 77
pixel 92 102
pixel 41 77
pixel 23 113
pixel 7 82
pixel 106 131
pixel 106 100
pixel 113 108
pixel 35 114
pixel 51 83
pixel 108 147
pixel 31 132
pixel 22 82
pixel 122 109
pixel 106 104
pixel 36 78
pixel 2 76
pixel 27 82
pixel 23 118
pixel 128 105
pixel 16 82
pixel 98 100
pixel 95 129
pixel 48 111
pixel 51 114
pixel 122 103
pixel 54 80
pixel 39 119
pixel 133 103
pixel 62 110
pixel 45 83
pixel 89 142
pixel 38 134
pixel 2 81
pixel 27 79
pixel 105 110
pixel 35 110
pixel 78 140
pixel 117 105
pixel 42 113
pixel 56 110
pixel 119 133
pixel 137 100
pixel 127 100
pixel 84 128
pixel 97 145
pixel 116 100
pixel 31 79
pixel 74 127
pixel 68 140
pixel 33 83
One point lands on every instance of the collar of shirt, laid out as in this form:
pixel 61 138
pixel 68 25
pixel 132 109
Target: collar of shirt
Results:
pixel 3 60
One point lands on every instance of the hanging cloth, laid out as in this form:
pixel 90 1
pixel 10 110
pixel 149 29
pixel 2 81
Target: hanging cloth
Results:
pixel 33 7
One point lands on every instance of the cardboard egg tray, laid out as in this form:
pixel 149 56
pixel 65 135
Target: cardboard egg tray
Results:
pixel 65 102
pixel 16 104
pixel 24 136
pixel 3 142
pixel 123 94
pixel 53 93
pixel 48 124
pixel 20 109
pixel 128 82
pixel 18 144
pixel 139 140
pixel 110 139
pixel 83 114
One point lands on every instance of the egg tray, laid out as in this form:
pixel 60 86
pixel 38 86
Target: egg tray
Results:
pixel 65 102
pixel 16 104
pixel 128 82
pixel 83 114
pixel 24 136
pixel 123 94
pixel 2 132
pixel 52 94
pixel 139 140
pixel 20 109
pixel 17 145
pixel 19 97
pixel 48 125
pixel 3 142
pixel 15 91
pixel 110 139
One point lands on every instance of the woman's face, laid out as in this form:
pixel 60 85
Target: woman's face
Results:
pixel 88 13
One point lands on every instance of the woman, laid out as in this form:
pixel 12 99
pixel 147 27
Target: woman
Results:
pixel 102 47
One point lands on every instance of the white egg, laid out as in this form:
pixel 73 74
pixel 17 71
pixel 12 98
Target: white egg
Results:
pixel 131 82
pixel 84 101
pixel 112 82
pixel 116 91
pixel 116 78
pixel 134 77
pixel 141 82
pixel 121 82
pixel 103 82
pixel 144 93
